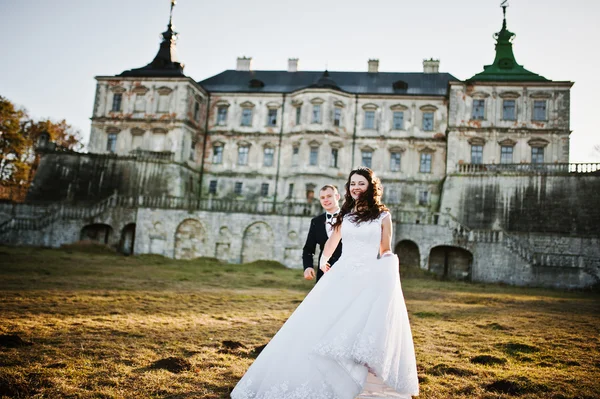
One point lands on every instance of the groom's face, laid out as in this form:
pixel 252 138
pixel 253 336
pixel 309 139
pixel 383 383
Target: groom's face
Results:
pixel 329 199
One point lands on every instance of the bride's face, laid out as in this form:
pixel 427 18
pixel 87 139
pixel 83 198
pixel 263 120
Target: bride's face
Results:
pixel 358 185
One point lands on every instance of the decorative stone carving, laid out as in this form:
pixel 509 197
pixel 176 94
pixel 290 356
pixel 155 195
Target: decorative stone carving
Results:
pixel 507 143
pixel 247 104
pixel 538 142
pixel 428 108
pixel 476 141
pixel 164 90
pixel 479 94
pixel 540 94
pixel 257 243
pixel 189 240
pixel 140 90
pixel 399 107
pixel 509 95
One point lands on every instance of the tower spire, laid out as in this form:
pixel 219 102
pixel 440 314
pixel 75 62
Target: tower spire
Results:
pixel 505 65
pixel 166 62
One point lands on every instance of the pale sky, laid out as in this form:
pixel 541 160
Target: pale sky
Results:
pixel 52 49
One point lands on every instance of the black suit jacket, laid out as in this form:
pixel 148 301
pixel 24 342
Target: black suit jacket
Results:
pixel 318 235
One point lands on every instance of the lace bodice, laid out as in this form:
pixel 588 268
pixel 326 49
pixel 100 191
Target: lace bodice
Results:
pixel 361 241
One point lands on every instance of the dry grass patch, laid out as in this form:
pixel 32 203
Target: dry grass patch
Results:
pixel 106 326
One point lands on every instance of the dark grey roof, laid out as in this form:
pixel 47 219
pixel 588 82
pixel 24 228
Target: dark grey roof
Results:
pixel 352 82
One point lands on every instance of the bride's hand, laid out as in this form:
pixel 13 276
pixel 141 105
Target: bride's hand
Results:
pixel 386 254
pixel 325 266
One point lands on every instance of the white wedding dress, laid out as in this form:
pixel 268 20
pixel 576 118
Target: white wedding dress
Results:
pixel 354 321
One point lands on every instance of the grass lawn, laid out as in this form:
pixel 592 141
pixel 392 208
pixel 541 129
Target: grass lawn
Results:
pixel 93 324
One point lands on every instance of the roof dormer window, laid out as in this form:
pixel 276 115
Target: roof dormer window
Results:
pixel 400 85
pixel 256 84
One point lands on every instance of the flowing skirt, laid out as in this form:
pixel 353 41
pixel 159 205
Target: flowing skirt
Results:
pixel 353 322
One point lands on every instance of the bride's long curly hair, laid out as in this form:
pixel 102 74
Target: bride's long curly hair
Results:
pixel 368 205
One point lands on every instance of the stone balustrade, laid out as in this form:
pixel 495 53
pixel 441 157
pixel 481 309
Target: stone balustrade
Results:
pixel 530 168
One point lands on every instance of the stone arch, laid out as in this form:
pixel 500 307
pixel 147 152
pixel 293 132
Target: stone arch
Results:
pixel 258 242
pixel 127 239
pixel 189 239
pixel 408 254
pixel 98 232
pixel 451 262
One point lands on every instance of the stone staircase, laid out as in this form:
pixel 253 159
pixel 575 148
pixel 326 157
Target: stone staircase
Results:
pixel 55 212
pixel 463 235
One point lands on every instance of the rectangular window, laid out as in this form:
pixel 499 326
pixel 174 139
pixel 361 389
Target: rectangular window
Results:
pixel 264 190
pixel 477 154
pixel 314 156
pixel 221 116
pixel 197 111
pixel 395 162
pixel 427 121
pixel 334 158
pixel 367 157
pixel 508 110
pixel 111 142
pixel 291 190
pixel 478 110
pixel 539 110
pixel 217 154
pixel 272 117
pixel 369 119
pixel 117 100
pixel 140 103
pixel 163 103
pixel 425 166
pixel 423 198
pixel 398 120
pixel 237 189
pixel 269 155
pixel 212 187
pixel 295 155
pixel 193 151
pixel 506 154
pixel 298 115
pixel 246 117
pixel 337 116
pixel 537 155
pixel 316 116
pixel 243 155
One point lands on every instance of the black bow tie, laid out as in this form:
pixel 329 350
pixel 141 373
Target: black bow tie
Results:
pixel 329 215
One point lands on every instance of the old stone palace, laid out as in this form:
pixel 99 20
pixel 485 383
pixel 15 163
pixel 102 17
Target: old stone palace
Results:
pixel 476 172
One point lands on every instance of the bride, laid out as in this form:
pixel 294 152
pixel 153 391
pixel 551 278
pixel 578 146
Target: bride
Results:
pixel 353 322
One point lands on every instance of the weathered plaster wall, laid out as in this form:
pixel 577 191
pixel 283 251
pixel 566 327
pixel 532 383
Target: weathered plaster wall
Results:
pixel 92 177
pixel 561 204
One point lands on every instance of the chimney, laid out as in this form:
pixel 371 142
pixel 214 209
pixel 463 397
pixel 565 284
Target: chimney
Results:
pixel 373 66
pixel 243 63
pixel 292 64
pixel 431 66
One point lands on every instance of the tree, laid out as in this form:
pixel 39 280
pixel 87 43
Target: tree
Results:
pixel 18 137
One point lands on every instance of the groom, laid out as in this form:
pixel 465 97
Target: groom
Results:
pixel 320 230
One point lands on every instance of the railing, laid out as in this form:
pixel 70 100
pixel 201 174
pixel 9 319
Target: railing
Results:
pixel 56 212
pixel 287 208
pixel 153 155
pixel 530 168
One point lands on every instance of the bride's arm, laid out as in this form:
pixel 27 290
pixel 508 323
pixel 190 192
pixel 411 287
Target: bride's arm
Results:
pixel 329 249
pixel 386 236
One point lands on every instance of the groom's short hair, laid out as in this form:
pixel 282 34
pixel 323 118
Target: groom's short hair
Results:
pixel 329 186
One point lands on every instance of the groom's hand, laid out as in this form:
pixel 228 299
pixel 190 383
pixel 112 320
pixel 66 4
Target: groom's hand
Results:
pixel 309 273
